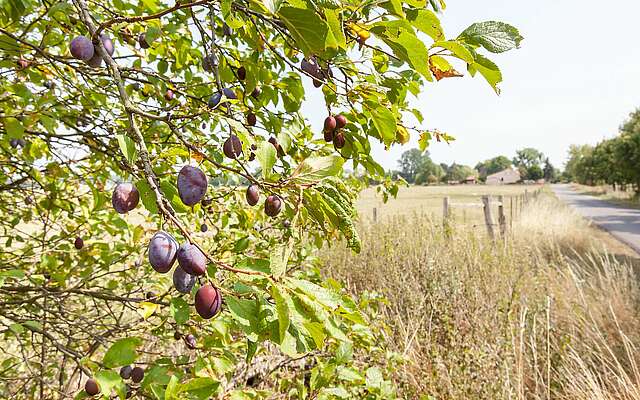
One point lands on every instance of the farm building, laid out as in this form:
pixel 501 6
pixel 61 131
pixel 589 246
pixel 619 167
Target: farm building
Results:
pixel 504 177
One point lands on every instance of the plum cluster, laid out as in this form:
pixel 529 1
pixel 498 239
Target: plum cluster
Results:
pixel 272 204
pixel 333 130
pixel 311 66
pixel 83 49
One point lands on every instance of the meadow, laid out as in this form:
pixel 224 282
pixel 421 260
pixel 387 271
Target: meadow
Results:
pixel 551 312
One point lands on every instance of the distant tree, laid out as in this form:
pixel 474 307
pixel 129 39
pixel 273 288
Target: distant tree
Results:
pixel 410 163
pixel 492 166
pixel 575 167
pixel 549 172
pixel 459 172
pixel 529 163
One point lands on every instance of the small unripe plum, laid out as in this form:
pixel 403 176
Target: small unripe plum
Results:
pixel 14 143
pixel 177 335
pixel 317 83
pixel 254 147
pixel 214 99
pixel 22 63
pixel 125 197
pixel 95 61
pixel 341 121
pixel 204 228
pixel 256 92
pixel 107 43
pixel 277 146
pixel 242 73
pixel 149 295
pixel 168 96
pixel 229 93
pixel 192 185
pixel 208 62
pixel 272 206
pixel 191 259
pixel 81 48
pixel 137 374
pixel 253 195
pixel 91 387
pixel 163 250
pixel 49 84
pixel 206 202
pixel 78 243
pixel 310 66
pixel 329 123
pixel 125 372
pixel 286 223
pixel 338 140
pixel 190 341
pixel 142 41
pixel 183 281
pixel 252 156
pixel 328 136
pixel 251 119
pixel 208 301
pixel 226 30
pixel 232 147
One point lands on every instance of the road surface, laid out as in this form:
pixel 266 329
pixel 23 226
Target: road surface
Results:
pixel 622 222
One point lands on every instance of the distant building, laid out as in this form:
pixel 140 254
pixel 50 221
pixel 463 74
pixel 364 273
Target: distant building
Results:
pixel 470 180
pixel 504 177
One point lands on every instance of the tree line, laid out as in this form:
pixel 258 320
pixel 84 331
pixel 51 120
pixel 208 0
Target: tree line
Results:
pixel 417 167
pixel 614 161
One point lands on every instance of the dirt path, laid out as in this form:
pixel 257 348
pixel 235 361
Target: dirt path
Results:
pixel 622 222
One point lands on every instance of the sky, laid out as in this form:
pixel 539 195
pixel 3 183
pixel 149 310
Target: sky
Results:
pixel 574 80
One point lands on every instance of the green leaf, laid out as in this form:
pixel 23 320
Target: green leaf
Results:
pixel 173 389
pixel 316 330
pixel 272 5
pixel 335 24
pixel 108 381
pixel 307 29
pixel 282 310
pixel 374 378
pixel 488 70
pixel 385 123
pixel 267 156
pixel 200 388
pixel 457 49
pixel 179 310
pixel 426 21
pixel 128 148
pixel 14 128
pixel 495 36
pixel 409 48
pixel 147 196
pixel 152 34
pixel 122 352
pixel 314 169
pixel 423 142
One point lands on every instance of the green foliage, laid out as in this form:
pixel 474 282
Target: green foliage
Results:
pixel 613 161
pixel 493 165
pixel 71 131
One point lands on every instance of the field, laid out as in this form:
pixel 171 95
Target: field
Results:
pixel 428 200
pixel 550 313
pixel 606 192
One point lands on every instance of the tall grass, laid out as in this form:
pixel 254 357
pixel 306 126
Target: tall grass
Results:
pixel 547 314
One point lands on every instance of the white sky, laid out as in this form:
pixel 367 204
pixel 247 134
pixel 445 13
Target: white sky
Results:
pixel 574 80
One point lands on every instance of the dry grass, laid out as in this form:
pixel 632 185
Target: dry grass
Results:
pixel 552 313
pixel 606 192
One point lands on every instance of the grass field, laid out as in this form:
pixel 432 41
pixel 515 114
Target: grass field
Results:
pixel 429 199
pixel 606 192
pixel 550 313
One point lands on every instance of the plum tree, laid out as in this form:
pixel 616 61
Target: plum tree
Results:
pixel 163 250
pixel 192 185
pixel 91 387
pixel 137 374
pixel 191 259
pixel 232 147
pixel 253 195
pixel 208 301
pixel 125 372
pixel 272 205
pixel 125 197
pixel 183 281
pixel 78 243
pixel 74 129
pixel 81 48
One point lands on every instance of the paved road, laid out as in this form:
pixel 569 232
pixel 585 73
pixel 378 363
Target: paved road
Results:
pixel 621 222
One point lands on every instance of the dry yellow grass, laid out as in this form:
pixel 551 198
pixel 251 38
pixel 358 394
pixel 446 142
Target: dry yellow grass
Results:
pixel 551 313
pixel 606 192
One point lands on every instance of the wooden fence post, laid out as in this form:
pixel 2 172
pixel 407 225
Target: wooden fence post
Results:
pixel 375 215
pixel 488 220
pixel 502 219
pixel 511 213
pixel 526 196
